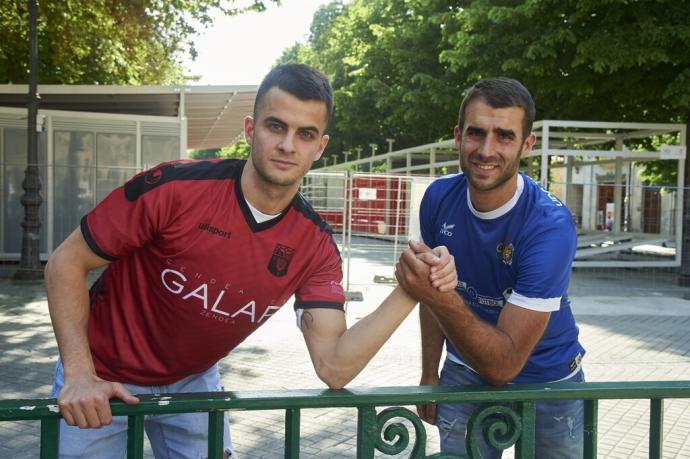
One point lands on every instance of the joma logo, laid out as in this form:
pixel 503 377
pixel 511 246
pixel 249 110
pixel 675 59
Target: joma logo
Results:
pixel 446 229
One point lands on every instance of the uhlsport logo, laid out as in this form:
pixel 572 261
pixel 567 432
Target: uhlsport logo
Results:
pixel 446 229
pixel 504 252
pixel 280 261
pixel 213 230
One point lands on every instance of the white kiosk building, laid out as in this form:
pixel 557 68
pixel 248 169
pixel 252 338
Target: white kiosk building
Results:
pixel 94 138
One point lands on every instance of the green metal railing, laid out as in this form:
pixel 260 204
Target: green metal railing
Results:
pixel 380 431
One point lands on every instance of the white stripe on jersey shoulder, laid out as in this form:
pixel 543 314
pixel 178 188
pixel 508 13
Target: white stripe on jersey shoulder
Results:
pixel 535 304
pixel 504 209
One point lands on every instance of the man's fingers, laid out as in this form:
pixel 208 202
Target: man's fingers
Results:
pixel 446 284
pixel 427 413
pixel 105 416
pixel 446 277
pixel 417 246
pixel 121 392
pixel 67 414
pixel 89 410
pixel 79 417
pixel 429 258
pixel 431 414
pixel 442 253
pixel 87 404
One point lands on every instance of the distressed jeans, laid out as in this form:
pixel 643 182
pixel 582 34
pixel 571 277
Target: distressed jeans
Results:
pixel 559 424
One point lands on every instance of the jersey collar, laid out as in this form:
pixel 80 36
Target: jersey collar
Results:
pixel 246 211
pixel 504 209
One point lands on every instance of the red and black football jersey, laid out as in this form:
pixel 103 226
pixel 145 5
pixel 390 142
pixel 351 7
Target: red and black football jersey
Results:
pixel 193 274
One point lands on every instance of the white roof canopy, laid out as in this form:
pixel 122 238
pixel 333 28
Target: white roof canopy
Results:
pixel 214 114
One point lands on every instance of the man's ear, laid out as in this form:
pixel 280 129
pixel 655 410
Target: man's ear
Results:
pixel 248 129
pixel 457 134
pixel 528 144
pixel 322 147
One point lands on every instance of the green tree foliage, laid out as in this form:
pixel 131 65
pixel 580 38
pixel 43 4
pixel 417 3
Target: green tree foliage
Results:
pixel 382 59
pixel 614 60
pixel 107 41
pixel 399 67
pixel 239 149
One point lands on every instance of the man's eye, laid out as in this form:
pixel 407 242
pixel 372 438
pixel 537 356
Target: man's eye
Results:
pixel 275 127
pixel 307 135
pixel 474 133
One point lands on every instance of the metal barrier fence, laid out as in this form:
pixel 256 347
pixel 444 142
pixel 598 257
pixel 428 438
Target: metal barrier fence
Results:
pixel 506 419
pixel 373 216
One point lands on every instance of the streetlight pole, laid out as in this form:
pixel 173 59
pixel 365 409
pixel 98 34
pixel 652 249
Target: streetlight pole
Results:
pixel 30 262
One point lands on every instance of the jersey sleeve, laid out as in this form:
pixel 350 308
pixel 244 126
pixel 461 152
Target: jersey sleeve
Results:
pixel 323 288
pixel 130 216
pixel 545 267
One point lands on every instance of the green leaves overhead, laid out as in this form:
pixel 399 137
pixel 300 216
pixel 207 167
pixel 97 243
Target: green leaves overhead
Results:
pixel 382 59
pixel 400 67
pixel 107 41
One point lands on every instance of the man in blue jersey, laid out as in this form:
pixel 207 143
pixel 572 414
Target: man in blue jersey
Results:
pixel 513 244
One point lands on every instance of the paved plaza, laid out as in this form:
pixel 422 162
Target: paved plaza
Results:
pixel 634 329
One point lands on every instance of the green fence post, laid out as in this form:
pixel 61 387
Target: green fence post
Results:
pixel 656 429
pixel 366 432
pixel 50 437
pixel 292 427
pixel 591 427
pixel 135 437
pixel 216 427
pixel 524 449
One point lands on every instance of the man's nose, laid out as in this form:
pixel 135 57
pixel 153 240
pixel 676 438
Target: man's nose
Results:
pixel 287 143
pixel 487 147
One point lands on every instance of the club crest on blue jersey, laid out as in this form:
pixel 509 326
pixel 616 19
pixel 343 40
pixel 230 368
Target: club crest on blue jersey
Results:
pixel 280 260
pixel 504 252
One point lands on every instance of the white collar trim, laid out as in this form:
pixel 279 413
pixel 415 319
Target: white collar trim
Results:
pixel 504 209
pixel 259 216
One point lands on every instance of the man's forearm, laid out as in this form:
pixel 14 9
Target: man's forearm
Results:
pixel 432 343
pixel 488 349
pixel 68 304
pixel 353 349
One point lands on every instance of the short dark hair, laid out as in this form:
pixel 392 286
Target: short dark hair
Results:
pixel 300 80
pixel 501 92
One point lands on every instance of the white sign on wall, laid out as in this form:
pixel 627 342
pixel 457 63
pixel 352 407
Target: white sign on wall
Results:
pixel 367 194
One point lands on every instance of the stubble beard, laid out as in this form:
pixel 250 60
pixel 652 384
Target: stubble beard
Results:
pixel 274 179
pixel 510 170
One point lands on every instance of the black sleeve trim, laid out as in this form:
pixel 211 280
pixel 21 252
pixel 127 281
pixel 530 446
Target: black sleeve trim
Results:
pixel 319 304
pixel 92 242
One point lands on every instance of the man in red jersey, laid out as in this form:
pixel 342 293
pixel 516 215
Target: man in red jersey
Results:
pixel 199 255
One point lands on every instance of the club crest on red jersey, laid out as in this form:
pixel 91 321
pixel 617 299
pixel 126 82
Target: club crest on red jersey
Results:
pixel 153 176
pixel 280 261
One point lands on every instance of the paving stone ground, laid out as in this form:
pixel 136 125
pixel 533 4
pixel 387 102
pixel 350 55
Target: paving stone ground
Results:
pixel 633 333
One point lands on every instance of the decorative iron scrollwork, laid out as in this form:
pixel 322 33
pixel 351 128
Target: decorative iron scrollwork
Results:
pixel 499 425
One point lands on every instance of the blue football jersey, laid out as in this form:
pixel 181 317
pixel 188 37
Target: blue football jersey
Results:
pixel 520 253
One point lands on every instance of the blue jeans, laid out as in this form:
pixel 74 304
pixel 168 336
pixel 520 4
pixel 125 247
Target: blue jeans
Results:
pixel 559 424
pixel 182 436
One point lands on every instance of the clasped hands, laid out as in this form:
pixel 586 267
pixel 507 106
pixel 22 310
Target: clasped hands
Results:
pixel 428 275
